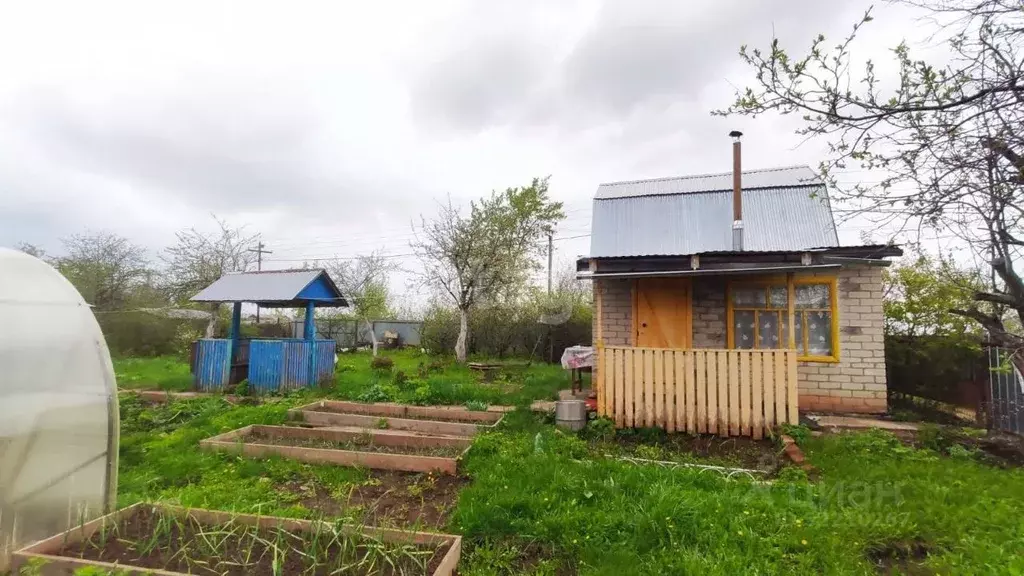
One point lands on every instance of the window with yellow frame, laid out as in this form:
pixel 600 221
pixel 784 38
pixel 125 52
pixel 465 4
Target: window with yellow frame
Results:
pixel 758 316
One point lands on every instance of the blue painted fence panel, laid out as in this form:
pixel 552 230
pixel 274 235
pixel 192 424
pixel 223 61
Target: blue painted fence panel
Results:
pixel 295 373
pixel 324 361
pixel 282 365
pixel 265 358
pixel 213 364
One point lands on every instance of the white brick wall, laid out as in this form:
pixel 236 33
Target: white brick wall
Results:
pixel 854 384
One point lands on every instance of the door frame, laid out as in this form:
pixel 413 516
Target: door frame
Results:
pixel 687 318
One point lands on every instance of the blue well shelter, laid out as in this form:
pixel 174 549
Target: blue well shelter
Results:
pixel 269 364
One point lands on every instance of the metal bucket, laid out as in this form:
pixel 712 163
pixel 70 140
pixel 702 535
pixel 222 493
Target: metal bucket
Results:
pixel 571 414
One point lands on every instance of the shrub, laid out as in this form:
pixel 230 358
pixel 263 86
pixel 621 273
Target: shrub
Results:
pixel 601 428
pixel 378 393
pixel 799 433
pixel 506 329
pixel 937 438
pixel 382 363
pixel 142 334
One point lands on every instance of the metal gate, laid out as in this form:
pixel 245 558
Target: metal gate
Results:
pixel 1006 410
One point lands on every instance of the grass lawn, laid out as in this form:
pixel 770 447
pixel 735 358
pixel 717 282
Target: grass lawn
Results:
pixel 539 501
pixel 417 378
pixel 158 373
pixel 414 378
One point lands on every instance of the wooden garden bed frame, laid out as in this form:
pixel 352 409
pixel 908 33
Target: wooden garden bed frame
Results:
pixel 236 442
pixel 48 550
pixel 426 419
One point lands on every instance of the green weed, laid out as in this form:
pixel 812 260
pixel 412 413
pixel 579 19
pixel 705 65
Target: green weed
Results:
pixel 158 373
pixel 604 516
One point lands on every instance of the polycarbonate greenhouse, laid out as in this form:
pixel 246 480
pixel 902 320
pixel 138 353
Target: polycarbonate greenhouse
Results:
pixel 58 406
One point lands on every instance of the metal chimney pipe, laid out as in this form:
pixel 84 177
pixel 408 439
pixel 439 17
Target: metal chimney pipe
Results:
pixel 737 192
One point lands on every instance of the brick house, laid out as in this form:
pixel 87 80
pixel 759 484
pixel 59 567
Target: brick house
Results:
pixel 728 262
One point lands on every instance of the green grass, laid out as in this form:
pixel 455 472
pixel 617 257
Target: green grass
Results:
pixel 161 459
pixel 159 373
pixel 415 378
pixel 546 502
pixel 536 487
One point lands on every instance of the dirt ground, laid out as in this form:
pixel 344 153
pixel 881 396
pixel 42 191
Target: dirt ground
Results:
pixel 132 545
pixel 387 498
pixel 737 451
pixel 993 448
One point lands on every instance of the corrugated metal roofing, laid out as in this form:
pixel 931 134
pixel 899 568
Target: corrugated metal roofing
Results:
pixel 266 286
pixel 774 219
pixel 790 176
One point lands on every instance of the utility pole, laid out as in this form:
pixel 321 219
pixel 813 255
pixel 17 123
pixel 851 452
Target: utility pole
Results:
pixel 259 267
pixel 551 341
pixel 550 251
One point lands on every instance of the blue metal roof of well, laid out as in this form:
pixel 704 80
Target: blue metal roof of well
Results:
pixel 272 287
pixel 783 209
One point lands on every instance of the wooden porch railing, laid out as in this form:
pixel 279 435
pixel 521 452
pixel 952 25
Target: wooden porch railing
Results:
pixel 725 392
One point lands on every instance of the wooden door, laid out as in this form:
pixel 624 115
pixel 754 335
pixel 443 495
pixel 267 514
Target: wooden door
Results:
pixel 662 313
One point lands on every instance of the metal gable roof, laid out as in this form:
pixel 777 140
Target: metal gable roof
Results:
pixel 789 176
pixel 783 210
pixel 271 286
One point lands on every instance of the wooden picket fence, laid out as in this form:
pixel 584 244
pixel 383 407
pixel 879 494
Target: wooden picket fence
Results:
pixel 725 392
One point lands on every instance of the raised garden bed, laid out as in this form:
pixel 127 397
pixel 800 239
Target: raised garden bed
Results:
pixel 428 419
pixel 169 541
pixel 381 449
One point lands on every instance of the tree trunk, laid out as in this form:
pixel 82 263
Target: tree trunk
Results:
pixel 211 325
pixel 373 337
pixel 460 343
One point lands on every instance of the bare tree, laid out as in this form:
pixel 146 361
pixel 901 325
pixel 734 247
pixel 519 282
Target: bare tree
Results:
pixel 32 250
pixel 570 289
pixel 947 139
pixel 198 259
pixel 104 267
pixel 363 281
pixel 472 257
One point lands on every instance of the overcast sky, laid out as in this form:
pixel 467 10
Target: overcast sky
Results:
pixel 329 127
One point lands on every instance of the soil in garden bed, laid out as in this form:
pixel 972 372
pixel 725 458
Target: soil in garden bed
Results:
pixel 155 540
pixel 735 451
pixel 387 498
pixel 353 412
pixel 356 444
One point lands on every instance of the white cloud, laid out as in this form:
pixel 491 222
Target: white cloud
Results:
pixel 330 126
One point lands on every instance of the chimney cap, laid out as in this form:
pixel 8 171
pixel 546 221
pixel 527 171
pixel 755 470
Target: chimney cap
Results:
pixel 736 134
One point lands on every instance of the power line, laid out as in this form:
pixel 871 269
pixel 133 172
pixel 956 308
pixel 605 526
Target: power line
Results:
pixel 405 255
pixel 366 240
pixel 259 266
pixel 394 233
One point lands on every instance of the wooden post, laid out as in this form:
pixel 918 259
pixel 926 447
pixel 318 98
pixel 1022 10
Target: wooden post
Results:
pixel 309 334
pixel 791 356
pixel 309 327
pixel 791 305
pixel 236 330
pixel 599 378
pixel 596 375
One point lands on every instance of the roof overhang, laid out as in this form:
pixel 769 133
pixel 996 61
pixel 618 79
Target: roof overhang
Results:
pixel 731 263
pixel 707 272
pixel 275 289
pixel 300 303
